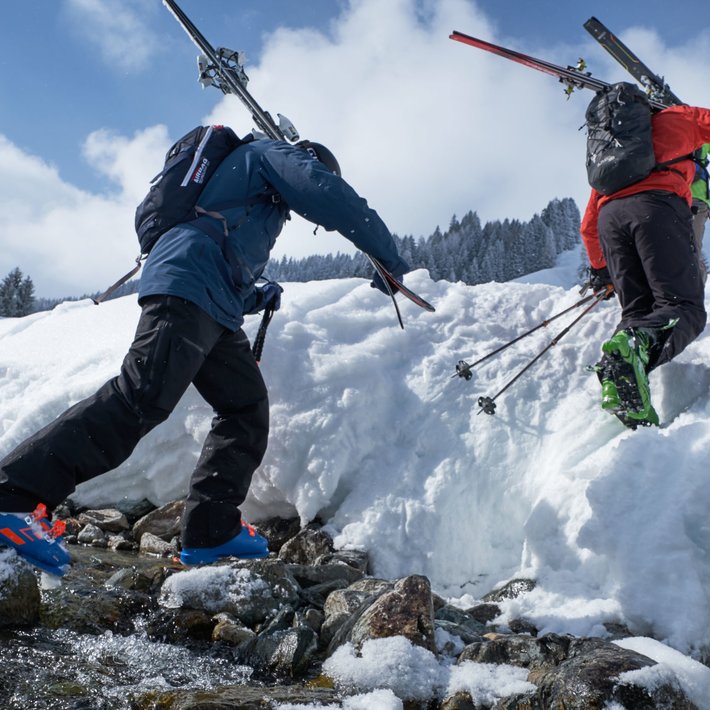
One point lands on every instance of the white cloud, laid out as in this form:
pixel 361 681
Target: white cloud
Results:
pixel 116 28
pixel 424 128
pixel 67 240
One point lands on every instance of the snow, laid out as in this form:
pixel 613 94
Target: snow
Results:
pixel 210 588
pixel 371 433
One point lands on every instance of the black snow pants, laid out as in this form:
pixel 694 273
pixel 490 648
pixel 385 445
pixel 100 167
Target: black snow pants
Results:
pixel 176 343
pixel 648 243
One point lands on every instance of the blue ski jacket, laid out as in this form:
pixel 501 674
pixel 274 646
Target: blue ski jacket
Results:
pixel 253 190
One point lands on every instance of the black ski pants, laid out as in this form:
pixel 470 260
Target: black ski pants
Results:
pixel 176 343
pixel 648 243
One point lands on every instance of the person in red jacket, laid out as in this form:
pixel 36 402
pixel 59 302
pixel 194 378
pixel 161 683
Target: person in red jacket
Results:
pixel 640 241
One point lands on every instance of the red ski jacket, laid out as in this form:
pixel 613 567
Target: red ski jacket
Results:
pixel 676 131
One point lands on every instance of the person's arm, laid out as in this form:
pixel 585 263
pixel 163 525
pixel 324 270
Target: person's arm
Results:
pixel 323 198
pixel 590 234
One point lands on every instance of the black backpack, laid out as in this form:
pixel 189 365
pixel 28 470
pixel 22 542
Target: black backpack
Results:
pixel 619 139
pixel 174 192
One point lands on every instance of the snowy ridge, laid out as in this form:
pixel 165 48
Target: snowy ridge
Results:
pixel 371 433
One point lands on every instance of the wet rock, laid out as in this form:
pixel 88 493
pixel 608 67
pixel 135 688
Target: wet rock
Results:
pixel 121 542
pixel 229 630
pixel 92 535
pixel 314 618
pixel 252 591
pixel 163 522
pixel 284 647
pixel 19 591
pixel 306 547
pixel 177 625
pixel 86 611
pixel 152 545
pixel 240 697
pixel 108 519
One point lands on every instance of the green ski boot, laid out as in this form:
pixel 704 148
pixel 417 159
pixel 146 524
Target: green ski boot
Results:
pixel 622 373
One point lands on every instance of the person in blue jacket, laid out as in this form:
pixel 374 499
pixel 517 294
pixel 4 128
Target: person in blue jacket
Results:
pixel 199 281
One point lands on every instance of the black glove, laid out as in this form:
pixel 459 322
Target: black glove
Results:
pixel 268 295
pixel 600 282
pixel 398 272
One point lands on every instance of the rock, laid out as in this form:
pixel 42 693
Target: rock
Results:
pixel 135 509
pixel 306 547
pixel 251 591
pixel 230 631
pixel 92 535
pixel 108 519
pixel 177 625
pixel 342 604
pixel 19 591
pixel 459 701
pixel 284 652
pixel 460 623
pixel 164 522
pixel 511 590
pixel 278 531
pixel 484 613
pixel 578 674
pixel 317 594
pixel 353 558
pixel 308 575
pixel 241 697
pixel 121 542
pixel 405 610
pixel 152 545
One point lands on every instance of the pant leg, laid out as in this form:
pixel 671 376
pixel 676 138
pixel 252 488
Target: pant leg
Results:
pixel 100 432
pixel 650 249
pixel 700 218
pixel 230 381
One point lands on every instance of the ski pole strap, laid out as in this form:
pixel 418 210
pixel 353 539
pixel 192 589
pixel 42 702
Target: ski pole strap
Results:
pixel 463 369
pixel 258 346
pixel 487 404
pixel 120 282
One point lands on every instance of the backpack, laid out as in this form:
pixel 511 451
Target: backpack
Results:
pixel 174 192
pixel 619 140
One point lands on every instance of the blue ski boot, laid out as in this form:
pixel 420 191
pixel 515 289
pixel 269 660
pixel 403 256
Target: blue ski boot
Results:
pixel 35 540
pixel 248 544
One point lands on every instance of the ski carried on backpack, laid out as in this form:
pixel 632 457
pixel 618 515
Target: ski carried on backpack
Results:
pixel 224 69
pixel 655 85
pixel 572 77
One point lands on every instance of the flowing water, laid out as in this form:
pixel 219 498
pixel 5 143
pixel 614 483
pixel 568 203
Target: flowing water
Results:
pixel 65 669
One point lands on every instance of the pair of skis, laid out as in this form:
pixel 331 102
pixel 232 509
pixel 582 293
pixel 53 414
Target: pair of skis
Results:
pixel 224 69
pixel 659 93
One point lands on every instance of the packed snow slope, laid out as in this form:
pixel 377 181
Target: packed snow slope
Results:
pixel 373 436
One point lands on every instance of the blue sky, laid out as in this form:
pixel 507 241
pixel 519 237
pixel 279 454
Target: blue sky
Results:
pixel 94 91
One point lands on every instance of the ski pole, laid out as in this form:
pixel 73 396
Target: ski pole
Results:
pixel 258 347
pixel 487 404
pixel 463 369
